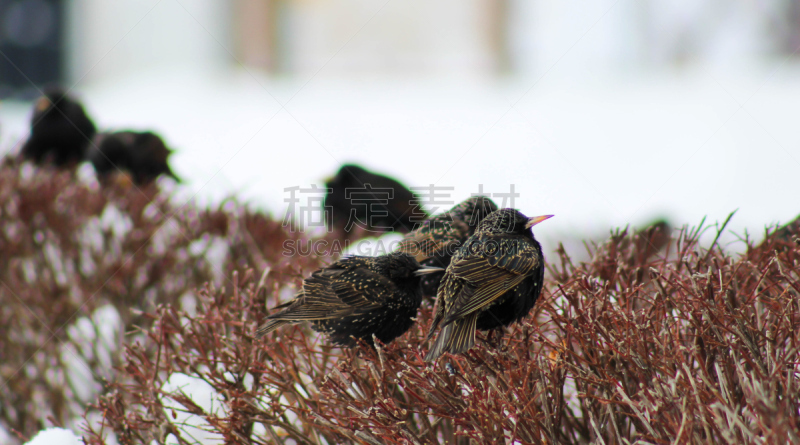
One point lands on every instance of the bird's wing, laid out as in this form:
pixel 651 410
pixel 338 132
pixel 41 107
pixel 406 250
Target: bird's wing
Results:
pixel 489 274
pixel 438 234
pixel 362 288
pixel 448 286
pixel 339 290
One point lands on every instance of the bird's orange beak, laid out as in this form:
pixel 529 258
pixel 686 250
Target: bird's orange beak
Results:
pixel 42 104
pixel 123 180
pixel 536 220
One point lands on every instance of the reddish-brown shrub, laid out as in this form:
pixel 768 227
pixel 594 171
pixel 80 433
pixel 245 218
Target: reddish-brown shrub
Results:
pixel 82 268
pixel 685 345
pixel 692 346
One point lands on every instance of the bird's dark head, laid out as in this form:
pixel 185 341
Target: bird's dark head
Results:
pixel 56 104
pixel 51 97
pixel 509 221
pixel 474 210
pixel 349 175
pixel 153 156
pixel 401 265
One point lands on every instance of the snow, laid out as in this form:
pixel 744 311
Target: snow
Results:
pixel 597 152
pixel 115 221
pixel 194 427
pixel 581 132
pixel 55 436
pixel 5 437
pixel 215 249
pixel 373 246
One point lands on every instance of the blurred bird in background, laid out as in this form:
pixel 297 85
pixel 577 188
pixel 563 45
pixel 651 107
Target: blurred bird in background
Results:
pixel 360 200
pixel 493 280
pixel 60 130
pixel 142 155
pixel 652 238
pixel 357 297
pixel 435 241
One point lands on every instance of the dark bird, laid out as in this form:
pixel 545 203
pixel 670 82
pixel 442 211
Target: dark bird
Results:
pixel 143 155
pixel 60 130
pixel 493 280
pixel 651 239
pixel 360 199
pixel 357 297
pixel 438 238
pixel 788 231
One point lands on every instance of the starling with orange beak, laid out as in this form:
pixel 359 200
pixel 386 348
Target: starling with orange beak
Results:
pixel 60 130
pixel 493 280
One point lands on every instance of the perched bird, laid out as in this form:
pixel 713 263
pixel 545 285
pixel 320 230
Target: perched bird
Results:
pixel 357 297
pixel 358 198
pixel 438 238
pixel 651 239
pixel 493 280
pixel 143 155
pixel 788 231
pixel 60 130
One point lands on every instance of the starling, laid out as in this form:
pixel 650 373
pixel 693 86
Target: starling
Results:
pixel 357 297
pixel 651 239
pixel 60 130
pixel 141 154
pixel 438 238
pixel 373 202
pixel 492 281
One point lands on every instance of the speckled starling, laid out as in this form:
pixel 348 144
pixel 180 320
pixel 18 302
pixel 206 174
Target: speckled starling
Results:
pixel 143 155
pixel 60 130
pixel 493 280
pixel 357 297
pixel 438 238
pixel 360 199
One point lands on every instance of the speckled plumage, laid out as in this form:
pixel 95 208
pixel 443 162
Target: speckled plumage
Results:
pixel 355 298
pixel 60 130
pixel 438 238
pixel 493 280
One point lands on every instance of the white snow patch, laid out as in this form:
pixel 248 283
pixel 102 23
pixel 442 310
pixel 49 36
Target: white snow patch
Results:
pixel 117 222
pixel 215 250
pixel 79 374
pixel 374 246
pixel 571 396
pixel 26 171
pixel 4 436
pixel 94 420
pixel 201 393
pixel 29 270
pixel 188 303
pixel 86 174
pixel 92 339
pixel 162 239
pixel 287 292
pixel 216 255
pixel 247 382
pixel 91 235
pixel 53 255
pixel 55 436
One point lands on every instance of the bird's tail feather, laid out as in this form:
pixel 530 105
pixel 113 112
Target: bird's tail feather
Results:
pixel 270 326
pixel 436 320
pixel 455 338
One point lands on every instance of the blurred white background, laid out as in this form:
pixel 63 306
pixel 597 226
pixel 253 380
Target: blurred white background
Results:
pixel 605 114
